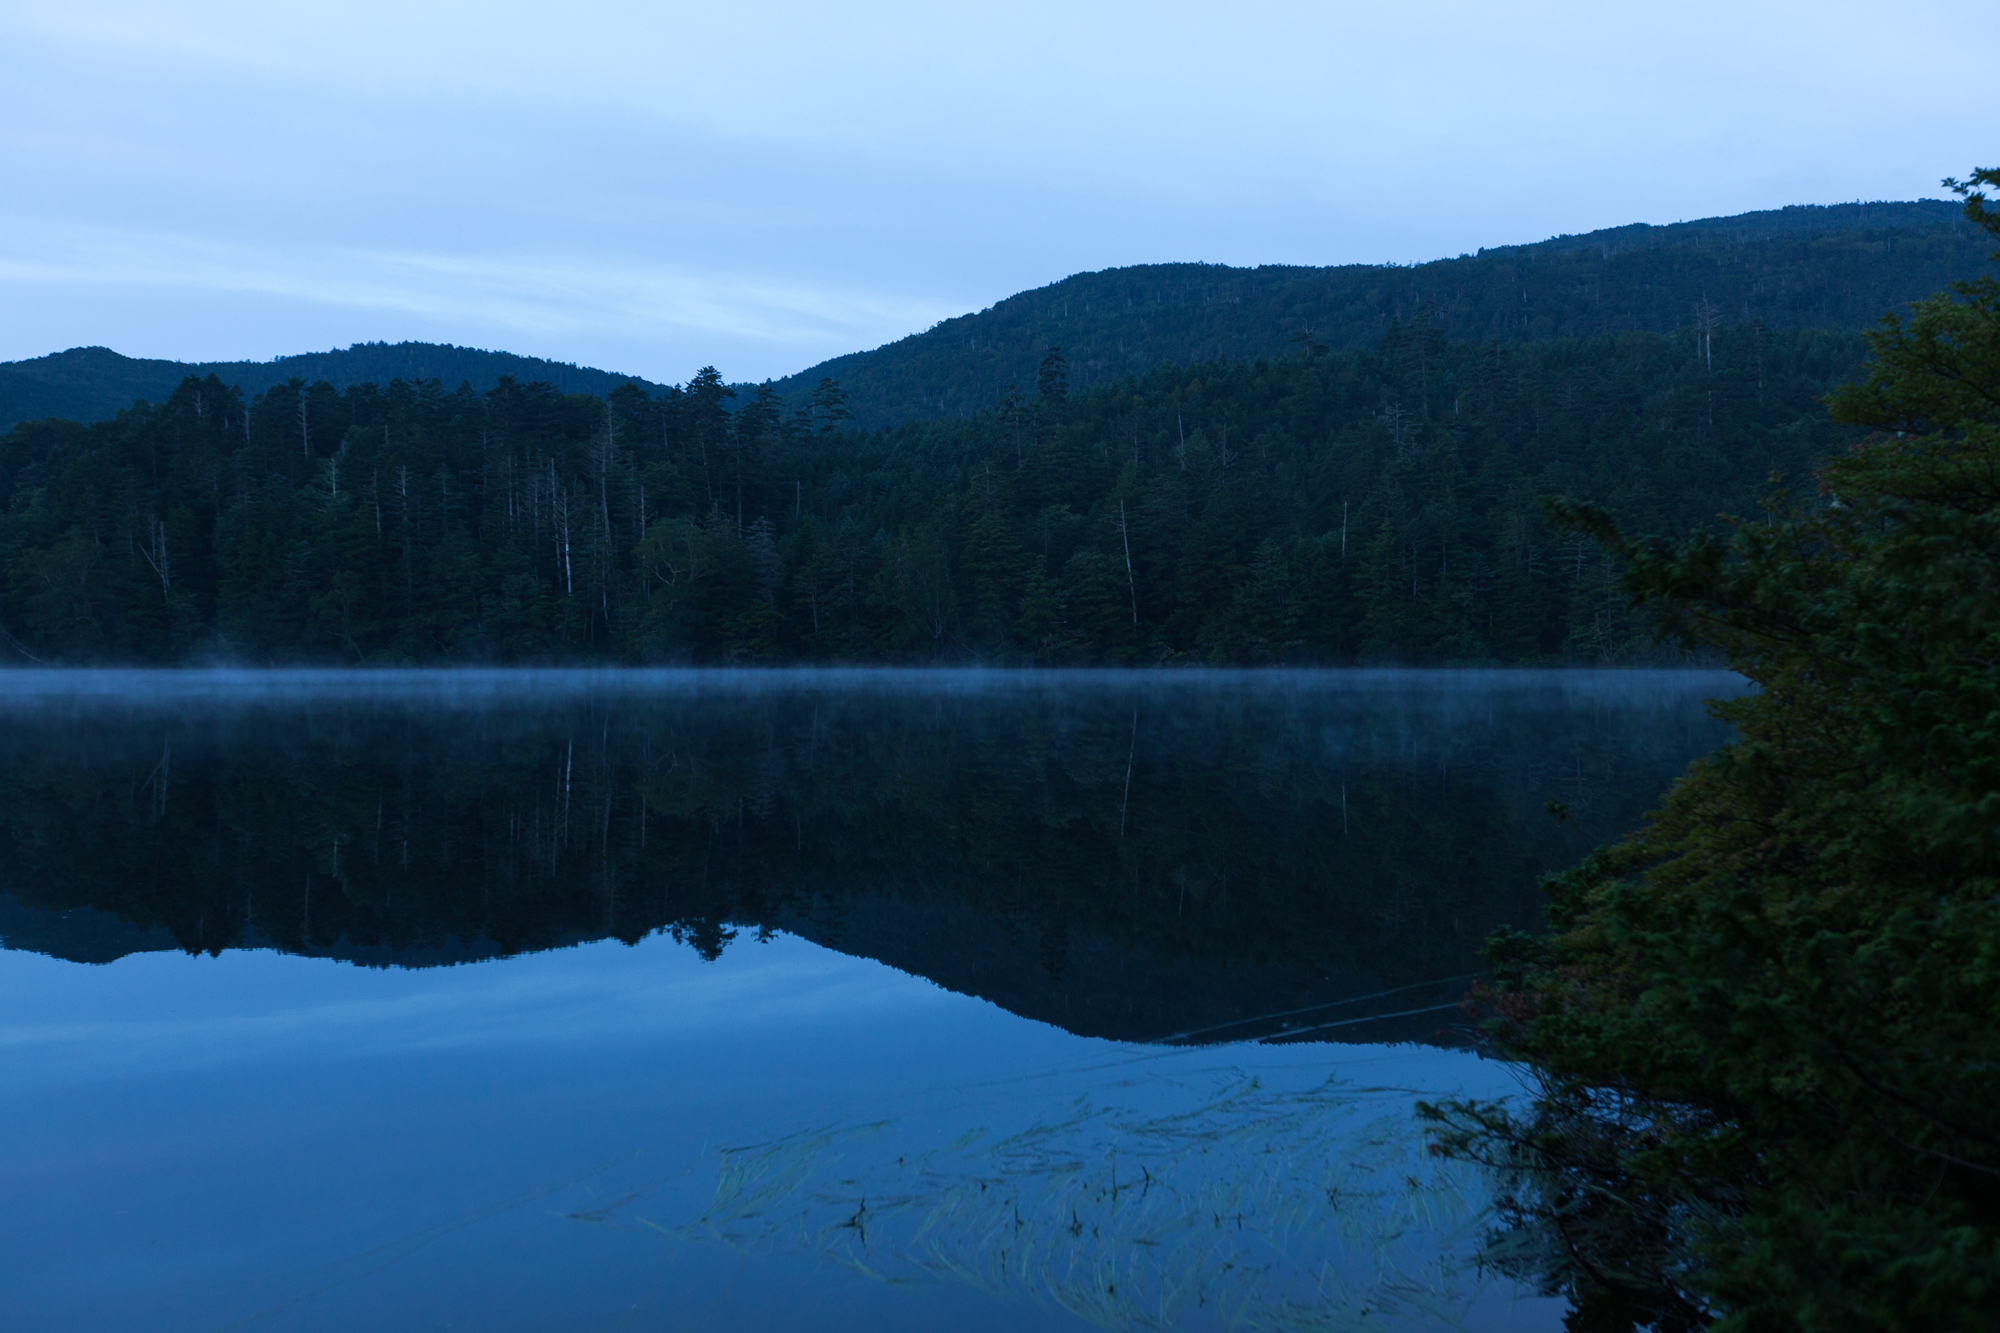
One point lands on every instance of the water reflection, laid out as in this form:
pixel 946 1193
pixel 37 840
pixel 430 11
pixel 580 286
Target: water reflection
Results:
pixel 745 1118
pixel 604 1137
pixel 1142 857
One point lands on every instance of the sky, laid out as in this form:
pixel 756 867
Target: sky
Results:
pixel 652 188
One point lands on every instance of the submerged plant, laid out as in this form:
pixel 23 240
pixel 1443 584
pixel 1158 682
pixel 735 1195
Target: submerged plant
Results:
pixel 1246 1207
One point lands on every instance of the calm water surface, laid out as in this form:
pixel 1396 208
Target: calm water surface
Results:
pixel 551 1001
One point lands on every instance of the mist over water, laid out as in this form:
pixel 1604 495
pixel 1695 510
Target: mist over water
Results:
pixel 739 952
pixel 519 686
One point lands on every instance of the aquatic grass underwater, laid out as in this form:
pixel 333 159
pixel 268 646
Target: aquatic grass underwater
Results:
pixel 1244 1206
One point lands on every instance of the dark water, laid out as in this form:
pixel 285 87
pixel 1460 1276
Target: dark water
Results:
pixel 829 1001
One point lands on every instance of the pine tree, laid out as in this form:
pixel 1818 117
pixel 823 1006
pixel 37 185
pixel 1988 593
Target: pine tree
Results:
pixel 1764 1023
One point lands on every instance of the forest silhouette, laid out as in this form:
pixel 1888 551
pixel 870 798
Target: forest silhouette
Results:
pixel 1109 858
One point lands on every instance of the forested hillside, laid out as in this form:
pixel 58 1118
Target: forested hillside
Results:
pixel 1371 505
pixel 90 383
pixel 1793 268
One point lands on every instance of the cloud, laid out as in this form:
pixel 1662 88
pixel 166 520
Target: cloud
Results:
pixel 516 299
pixel 777 182
pixel 524 292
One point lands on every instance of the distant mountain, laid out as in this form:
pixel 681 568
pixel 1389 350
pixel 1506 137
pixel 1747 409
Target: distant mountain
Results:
pixel 1836 266
pixel 92 383
pixel 1809 266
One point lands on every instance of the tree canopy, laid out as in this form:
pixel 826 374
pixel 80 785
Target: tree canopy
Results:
pixel 1765 1023
pixel 1373 505
pixel 1835 267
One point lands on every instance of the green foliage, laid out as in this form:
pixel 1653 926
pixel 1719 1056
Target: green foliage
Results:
pixel 91 383
pixel 1790 269
pixel 1766 1022
pixel 1369 505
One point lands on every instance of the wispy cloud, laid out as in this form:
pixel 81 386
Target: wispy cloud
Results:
pixel 529 295
pixel 781 181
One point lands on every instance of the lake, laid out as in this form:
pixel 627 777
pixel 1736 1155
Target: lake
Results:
pixel 772 1000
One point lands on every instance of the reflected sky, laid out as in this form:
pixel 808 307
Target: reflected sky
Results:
pixel 681 1000
pixel 264 1141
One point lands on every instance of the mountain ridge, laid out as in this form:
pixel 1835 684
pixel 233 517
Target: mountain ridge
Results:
pixel 94 383
pixel 1802 266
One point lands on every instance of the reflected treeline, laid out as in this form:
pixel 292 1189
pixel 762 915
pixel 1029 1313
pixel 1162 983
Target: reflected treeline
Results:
pixel 1125 858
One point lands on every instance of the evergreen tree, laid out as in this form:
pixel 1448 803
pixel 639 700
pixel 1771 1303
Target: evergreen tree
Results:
pixel 1764 1023
pixel 1371 505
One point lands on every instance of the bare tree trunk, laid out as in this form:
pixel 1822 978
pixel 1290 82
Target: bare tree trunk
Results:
pixel 1706 316
pixel 604 464
pixel 155 552
pixel 559 498
pixel 1131 585
pixel 409 563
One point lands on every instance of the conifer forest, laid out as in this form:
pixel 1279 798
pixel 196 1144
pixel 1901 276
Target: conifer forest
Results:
pixel 1316 507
